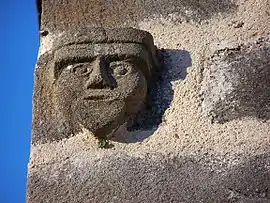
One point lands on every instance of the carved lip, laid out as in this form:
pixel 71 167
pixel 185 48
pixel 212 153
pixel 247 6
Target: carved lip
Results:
pixel 100 95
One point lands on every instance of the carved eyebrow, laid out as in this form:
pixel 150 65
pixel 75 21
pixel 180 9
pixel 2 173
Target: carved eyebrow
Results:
pixel 84 52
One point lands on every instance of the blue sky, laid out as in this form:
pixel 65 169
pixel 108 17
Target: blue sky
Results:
pixel 19 45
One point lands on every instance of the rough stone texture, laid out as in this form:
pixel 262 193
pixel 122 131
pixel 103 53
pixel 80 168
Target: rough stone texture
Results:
pixel 59 15
pixel 236 83
pixel 116 177
pixel 182 155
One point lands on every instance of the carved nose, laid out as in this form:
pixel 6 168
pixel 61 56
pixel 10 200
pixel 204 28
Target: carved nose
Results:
pixel 97 78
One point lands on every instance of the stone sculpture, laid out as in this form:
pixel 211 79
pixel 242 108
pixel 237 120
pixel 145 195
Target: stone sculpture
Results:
pixel 94 79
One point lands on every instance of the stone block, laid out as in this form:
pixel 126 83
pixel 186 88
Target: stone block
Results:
pixel 237 83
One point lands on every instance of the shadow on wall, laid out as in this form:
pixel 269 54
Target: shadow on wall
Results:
pixel 173 68
pixel 154 178
pixel 192 10
pixel 114 13
pixel 250 180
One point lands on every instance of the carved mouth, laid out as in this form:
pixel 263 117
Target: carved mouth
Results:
pixel 97 96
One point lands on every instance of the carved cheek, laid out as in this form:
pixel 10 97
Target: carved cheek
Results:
pixel 69 84
pixel 132 84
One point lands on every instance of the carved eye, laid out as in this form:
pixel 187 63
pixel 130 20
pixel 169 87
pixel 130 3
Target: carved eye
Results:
pixel 81 69
pixel 120 68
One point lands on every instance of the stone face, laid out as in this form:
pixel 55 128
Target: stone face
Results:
pixel 237 83
pixel 95 79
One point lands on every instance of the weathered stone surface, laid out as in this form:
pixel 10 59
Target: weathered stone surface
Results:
pixel 60 15
pixel 174 153
pixel 237 83
pixel 115 177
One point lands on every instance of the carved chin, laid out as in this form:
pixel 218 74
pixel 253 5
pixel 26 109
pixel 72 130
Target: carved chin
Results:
pixel 101 118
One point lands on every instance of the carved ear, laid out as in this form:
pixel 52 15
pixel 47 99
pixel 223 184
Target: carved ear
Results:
pixel 58 66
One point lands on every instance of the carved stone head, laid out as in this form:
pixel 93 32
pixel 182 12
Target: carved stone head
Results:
pixel 98 81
